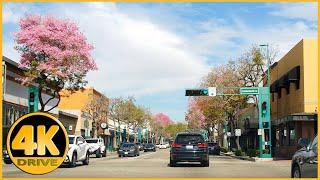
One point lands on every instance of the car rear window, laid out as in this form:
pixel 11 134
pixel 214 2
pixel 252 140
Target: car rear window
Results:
pixel 189 139
pixel 127 145
pixel 149 145
pixel 92 140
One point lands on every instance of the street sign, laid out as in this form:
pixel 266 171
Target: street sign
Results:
pixel 249 90
pixel 237 132
pixel 212 91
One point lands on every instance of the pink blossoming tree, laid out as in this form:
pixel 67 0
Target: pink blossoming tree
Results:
pixel 163 119
pixel 195 117
pixel 55 54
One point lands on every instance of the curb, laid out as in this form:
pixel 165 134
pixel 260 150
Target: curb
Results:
pixel 240 157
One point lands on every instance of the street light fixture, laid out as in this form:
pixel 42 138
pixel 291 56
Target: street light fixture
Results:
pixel 268 61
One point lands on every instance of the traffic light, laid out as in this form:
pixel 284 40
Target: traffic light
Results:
pixel 197 92
pixel 33 99
pixel 264 109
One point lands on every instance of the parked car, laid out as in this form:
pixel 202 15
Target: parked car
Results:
pixel 78 151
pixel 304 162
pixel 128 149
pixel 162 146
pixel 189 147
pixel 149 147
pixel 157 145
pixel 6 158
pixel 214 148
pixel 97 147
pixel 140 146
pixel 167 145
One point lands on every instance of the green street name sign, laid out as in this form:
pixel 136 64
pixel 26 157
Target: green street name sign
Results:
pixel 249 90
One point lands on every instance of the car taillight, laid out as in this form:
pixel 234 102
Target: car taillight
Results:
pixel 202 145
pixel 175 145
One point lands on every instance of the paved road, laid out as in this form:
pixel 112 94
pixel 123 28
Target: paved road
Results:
pixel 155 164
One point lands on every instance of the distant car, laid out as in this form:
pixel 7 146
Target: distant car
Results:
pixel 157 145
pixel 6 158
pixel 162 146
pixel 167 145
pixel 140 146
pixel 97 147
pixel 304 162
pixel 149 147
pixel 78 151
pixel 214 148
pixel 128 149
pixel 189 147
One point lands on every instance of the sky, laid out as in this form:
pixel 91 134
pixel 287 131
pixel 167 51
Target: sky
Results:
pixel 154 51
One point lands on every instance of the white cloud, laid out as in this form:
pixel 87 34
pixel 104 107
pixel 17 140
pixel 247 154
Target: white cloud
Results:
pixel 12 12
pixel 302 11
pixel 9 51
pixel 227 41
pixel 136 56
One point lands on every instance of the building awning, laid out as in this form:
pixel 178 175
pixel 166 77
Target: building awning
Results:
pixel 296 117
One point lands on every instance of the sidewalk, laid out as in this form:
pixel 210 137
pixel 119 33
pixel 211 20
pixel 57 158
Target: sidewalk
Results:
pixel 247 158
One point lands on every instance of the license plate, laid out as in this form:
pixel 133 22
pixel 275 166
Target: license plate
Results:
pixel 125 152
pixel 189 147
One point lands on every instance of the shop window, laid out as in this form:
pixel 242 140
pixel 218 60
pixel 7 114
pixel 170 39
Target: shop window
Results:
pixel 292 137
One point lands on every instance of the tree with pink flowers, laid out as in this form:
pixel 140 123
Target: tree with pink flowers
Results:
pixel 55 55
pixel 163 119
pixel 195 117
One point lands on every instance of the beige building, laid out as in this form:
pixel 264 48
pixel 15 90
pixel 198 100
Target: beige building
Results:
pixel 294 97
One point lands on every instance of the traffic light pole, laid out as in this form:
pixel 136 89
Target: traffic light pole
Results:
pixel 263 95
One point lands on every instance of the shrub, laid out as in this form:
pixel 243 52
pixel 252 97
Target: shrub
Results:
pixel 238 153
pixel 224 150
pixel 251 152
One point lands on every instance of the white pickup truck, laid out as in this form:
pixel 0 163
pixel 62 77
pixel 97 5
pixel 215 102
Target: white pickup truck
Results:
pixel 96 146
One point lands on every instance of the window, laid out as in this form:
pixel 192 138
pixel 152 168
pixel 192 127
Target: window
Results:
pixel 292 137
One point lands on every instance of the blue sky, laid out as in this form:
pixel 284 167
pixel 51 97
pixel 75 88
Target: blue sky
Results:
pixel 154 51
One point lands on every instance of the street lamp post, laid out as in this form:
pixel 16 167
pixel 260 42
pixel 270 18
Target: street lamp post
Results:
pixel 268 61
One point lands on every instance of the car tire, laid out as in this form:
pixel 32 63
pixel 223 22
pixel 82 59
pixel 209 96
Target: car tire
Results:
pixel 205 164
pixel 86 161
pixel 7 161
pixel 73 162
pixel 173 163
pixel 98 154
pixel 296 173
pixel 120 156
pixel 104 154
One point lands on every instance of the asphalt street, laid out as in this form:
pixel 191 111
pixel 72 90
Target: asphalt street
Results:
pixel 156 164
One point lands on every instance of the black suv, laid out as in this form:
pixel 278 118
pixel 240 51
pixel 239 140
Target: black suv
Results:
pixel 305 161
pixel 189 147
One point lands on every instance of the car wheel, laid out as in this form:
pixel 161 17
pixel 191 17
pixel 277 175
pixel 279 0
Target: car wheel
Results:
pixel 296 172
pixel 7 161
pixel 86 161
pixel 98 154
pixel 120 156
pixel 73 162
pixel 173 163
pixel 104 154
pixel 205 163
